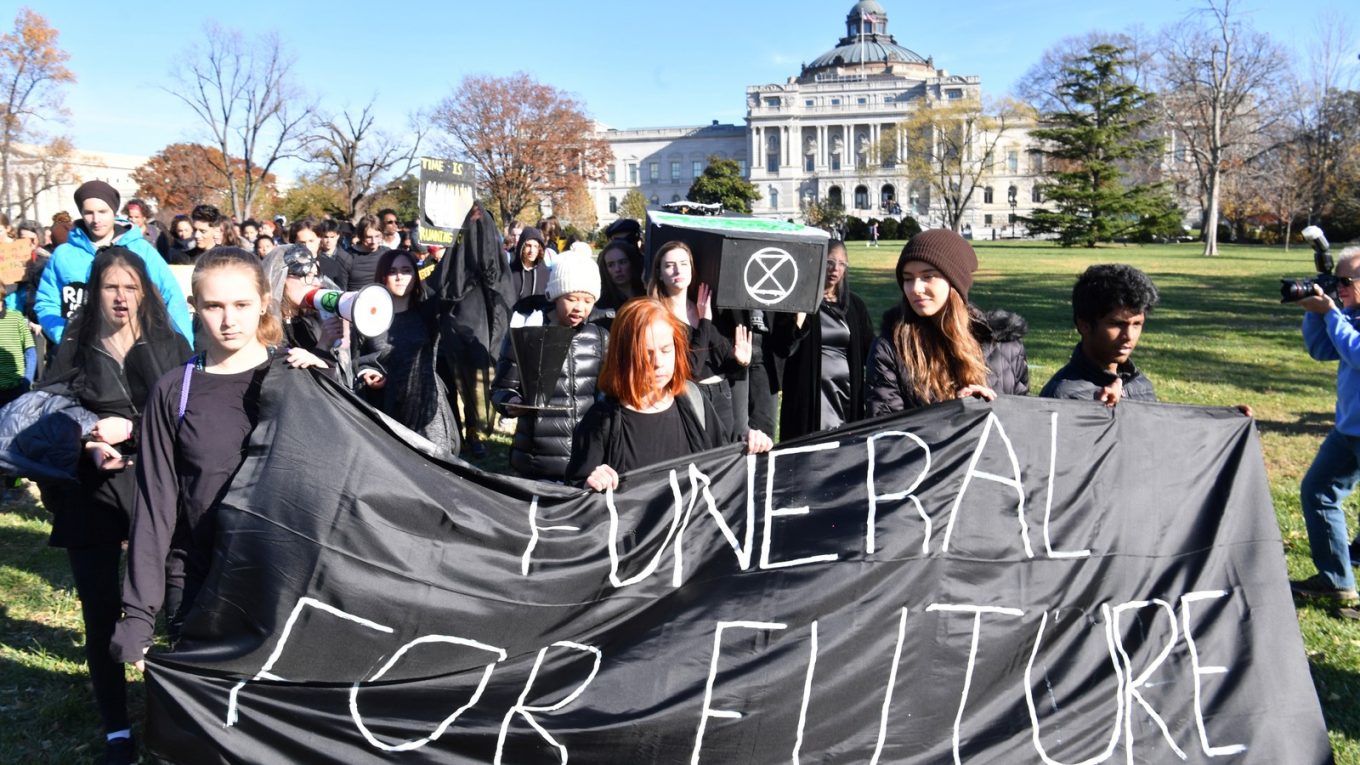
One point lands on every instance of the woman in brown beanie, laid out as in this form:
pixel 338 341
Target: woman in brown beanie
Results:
pixel 935 346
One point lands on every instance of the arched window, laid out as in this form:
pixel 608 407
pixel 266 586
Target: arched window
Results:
pixel 655 200
pixel 833 196
pixel 887 196
pixel 613 204
pixel 774 198
pixel 1036 194
pixel 675 197
pixel 772 152
pixel 861 198
pixel 987 195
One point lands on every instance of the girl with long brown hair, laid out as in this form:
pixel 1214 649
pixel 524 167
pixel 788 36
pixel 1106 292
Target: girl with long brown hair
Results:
pixel 713 357
pixel 936 346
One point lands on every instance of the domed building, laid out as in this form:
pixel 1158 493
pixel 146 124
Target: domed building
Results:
pixel 828 134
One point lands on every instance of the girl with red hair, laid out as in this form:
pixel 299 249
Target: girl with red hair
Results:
pixel 652 412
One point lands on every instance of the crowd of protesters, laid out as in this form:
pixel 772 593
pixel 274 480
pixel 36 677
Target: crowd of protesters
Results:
pixel 646 367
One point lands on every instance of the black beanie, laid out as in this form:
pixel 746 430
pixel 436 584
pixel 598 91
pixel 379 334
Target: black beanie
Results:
pixel 98 190
pixel 948 252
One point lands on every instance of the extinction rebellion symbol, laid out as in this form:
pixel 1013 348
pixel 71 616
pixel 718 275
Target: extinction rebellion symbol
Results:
pixel 770 275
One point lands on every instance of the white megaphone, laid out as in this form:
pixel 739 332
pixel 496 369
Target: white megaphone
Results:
pixel 368 309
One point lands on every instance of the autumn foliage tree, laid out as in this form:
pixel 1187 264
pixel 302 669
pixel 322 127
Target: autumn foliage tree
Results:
pixel 526 139
pixel 186 174
pixel 32 72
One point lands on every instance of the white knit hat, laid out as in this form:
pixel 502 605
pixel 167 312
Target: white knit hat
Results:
pixel 574 271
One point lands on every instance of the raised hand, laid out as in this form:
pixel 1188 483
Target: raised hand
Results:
pixel 741 345
pixel 705 302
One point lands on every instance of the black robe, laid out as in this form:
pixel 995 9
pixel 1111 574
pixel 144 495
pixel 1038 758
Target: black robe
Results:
pixel 801 350
pixel 470 285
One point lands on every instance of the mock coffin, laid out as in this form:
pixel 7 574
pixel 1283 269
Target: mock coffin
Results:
pixel 751 263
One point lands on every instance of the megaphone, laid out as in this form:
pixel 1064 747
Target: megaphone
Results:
pixel 368 309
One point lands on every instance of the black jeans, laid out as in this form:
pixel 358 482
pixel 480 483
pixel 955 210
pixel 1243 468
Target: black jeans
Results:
pixel 99 586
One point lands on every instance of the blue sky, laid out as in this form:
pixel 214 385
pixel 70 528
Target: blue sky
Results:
pixel 633 64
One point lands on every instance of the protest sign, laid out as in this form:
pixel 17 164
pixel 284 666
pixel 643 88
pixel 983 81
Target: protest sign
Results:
pixel 1022 581
pixel 14 257
pixel 445 197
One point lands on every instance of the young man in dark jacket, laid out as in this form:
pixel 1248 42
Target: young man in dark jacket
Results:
pixel 1110 303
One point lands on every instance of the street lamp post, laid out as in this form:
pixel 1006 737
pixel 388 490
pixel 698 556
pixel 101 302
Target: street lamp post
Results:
pixel 1010 197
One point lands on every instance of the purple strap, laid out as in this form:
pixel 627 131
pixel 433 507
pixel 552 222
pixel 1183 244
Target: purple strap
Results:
pixel 184 388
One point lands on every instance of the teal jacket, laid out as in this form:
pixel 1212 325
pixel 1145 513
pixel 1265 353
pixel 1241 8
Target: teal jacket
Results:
pixel 62 287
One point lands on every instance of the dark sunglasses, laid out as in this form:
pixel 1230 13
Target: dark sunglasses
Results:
pixel 1345 281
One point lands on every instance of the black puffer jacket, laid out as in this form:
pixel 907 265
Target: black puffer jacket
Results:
pixel 542 444
pixel 888 387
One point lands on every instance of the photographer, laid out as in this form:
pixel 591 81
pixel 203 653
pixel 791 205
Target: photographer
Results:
pixel 1330 334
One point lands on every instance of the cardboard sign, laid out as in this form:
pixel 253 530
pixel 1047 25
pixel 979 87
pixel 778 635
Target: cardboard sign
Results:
pixel 14 257
pixel 751 263
pixel 445 198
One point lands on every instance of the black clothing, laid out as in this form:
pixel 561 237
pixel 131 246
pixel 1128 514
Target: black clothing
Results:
pixel 97 512
pixel 801 351
pixel 601 439
pixel 183 469
pixel 336 266
pixel 90 516
pixel 363 269
pixel 95 571
pixel 469 283
pixel 710 353
pixel 646 438
pixel 835 387
pixel 1081 380
pixel 413 393
pixel 888 386
pixel 180 257
pixel 542 444
pixel 526 283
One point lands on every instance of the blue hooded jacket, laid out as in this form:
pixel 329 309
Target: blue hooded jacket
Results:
pixel 1333 337
pixel 62 287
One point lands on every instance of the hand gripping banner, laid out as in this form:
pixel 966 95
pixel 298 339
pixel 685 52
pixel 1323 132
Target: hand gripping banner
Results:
pixel 1025 581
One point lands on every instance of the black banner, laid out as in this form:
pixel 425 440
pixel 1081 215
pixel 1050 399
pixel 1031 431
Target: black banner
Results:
pixel 445 197
pixel 1026 581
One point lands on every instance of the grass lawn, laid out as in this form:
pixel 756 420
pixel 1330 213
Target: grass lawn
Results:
pixel 1220 338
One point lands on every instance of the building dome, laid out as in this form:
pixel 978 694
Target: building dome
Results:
pixel 873 51
pixel 866 41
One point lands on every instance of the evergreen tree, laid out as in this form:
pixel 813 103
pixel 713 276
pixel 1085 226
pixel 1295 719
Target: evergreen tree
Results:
pixel 1088 145
pixel 721 182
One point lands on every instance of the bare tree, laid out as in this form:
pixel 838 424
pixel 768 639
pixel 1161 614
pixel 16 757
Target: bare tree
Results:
pixel 32 71
pixel 1220 85
pixel 1320 119
pixel 951 146
pixel 244 94
pixel 526 139
pixel 353 154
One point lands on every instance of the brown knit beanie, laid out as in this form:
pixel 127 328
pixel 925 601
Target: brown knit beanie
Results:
pixel 948 252
pixel 97 190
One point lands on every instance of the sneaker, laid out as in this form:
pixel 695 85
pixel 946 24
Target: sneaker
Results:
pixel 1318 586
pixel 1355 553
pixel 120 751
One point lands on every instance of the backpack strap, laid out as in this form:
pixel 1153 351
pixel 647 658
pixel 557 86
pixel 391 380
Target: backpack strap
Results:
pixel 696 402
pixel 184 386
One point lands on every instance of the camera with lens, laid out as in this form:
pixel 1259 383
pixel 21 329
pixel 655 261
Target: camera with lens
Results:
pixel 1294 290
